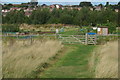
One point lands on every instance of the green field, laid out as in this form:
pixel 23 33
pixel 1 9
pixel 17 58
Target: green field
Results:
pixel 73 64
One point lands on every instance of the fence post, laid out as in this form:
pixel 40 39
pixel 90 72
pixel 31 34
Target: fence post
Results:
pixel 95 39
pixel 57 36
pixel 86 39
pixel 31 40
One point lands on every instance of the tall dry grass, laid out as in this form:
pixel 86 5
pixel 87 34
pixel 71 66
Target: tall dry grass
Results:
pixel 0 59
pixel 104 61
pixel 20 60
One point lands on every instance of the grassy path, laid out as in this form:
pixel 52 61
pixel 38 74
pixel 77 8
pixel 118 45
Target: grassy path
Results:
pixel 73 64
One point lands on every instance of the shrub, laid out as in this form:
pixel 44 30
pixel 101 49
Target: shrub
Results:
pixel 10 28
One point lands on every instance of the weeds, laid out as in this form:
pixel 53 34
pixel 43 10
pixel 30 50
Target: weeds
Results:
pixel 19 61
pixel 104 61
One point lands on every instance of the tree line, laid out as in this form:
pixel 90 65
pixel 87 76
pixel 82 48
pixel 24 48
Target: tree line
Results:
pixel 84 17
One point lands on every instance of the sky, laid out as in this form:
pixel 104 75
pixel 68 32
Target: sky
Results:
pixel 60 0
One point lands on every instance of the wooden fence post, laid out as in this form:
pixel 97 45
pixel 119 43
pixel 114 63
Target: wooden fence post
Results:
pixel 56 36
pixel 95 39
pixel 31 39
pixel 86 39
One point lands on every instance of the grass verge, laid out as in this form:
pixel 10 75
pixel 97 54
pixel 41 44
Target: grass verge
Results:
pixel 104 61
pixel 20 60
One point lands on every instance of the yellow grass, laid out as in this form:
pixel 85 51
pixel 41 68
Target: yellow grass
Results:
pixel 0 59
pixel 47 27
pixel 20 60
pixel 105 61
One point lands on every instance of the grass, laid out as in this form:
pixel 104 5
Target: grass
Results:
pixel 104 61
pixel 46 27
pixel 0 59
pixel 76 62
pixel 73 64
pixel 72 32
pixel 20 60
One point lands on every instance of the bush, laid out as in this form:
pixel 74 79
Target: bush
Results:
pixel 10 28
pixel 105 39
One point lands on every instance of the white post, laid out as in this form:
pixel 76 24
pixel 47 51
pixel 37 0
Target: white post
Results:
pixel 57 31
pixel 86 39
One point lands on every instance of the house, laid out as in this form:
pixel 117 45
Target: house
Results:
pixel 52 6
pixel 58 6
pixel 28 13
pixel 91 9
pixel 98 8
pixel 71 8
pixel 4 12
pixel 16 4
pixel 116 10
pixel 15 8
pixel 44 6
pixel 102 30
pixel 30 9
pixel 63 8
pixel 79 8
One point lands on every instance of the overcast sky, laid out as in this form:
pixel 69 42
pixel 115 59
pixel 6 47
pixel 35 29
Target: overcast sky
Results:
pixel 60 0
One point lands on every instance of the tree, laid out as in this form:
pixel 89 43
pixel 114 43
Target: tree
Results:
pixel 40 16
pixel 107 4
pixel 93 17
pixel 101 5
pixel 20 15
pixel 85 4
pixel 111 27
pixel 28 20
pixel 7 6
pixel 15 17
pixel 53 20
pixel 55 16
pixel 10 28
pixel 56 13
pixel 118 14
pixel 82 18
pixel 119 5
pixel 110 15
pixel 66 19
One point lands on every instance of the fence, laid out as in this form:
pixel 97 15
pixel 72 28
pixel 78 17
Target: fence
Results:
pixel 79 39
pixel 70 39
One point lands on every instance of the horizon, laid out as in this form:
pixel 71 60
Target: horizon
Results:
pixel 60 1
pixel 45 2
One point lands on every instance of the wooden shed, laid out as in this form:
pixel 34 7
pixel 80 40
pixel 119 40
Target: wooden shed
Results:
pixel 102 30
